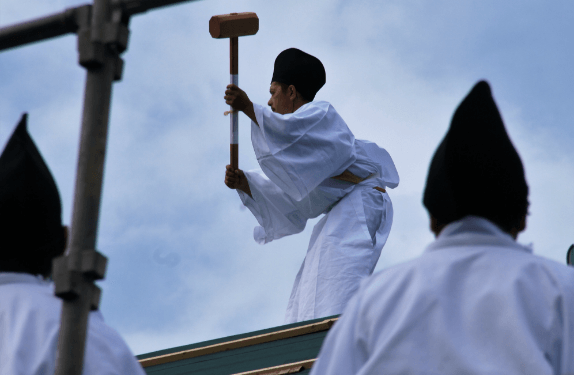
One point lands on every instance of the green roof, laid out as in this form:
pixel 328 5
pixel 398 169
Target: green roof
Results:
pixel 292 347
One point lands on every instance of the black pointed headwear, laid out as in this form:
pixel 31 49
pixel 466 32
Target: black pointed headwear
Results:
pixel 31 231
pixel 297 68
pixel 476 170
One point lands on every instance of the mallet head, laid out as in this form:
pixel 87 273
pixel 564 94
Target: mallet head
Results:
pixel 233 25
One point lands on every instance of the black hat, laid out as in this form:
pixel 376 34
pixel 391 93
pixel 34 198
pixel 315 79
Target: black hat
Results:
pixel 297 68
pixel 31 231
pixel 476 170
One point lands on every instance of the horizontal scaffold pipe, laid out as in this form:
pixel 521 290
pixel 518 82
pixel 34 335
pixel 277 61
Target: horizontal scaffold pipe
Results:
pixel 69 21
pixel 48 27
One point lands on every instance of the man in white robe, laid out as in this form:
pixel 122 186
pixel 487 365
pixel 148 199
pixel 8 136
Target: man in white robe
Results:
pixel 476 301
pixel 31 235
pixel 311 164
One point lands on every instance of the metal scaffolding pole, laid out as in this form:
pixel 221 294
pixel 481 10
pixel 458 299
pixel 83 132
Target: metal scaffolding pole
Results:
pixel 87 192
pixel 43 28
pixel 68 21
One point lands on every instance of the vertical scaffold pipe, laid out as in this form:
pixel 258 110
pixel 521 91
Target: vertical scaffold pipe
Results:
pixel 87 194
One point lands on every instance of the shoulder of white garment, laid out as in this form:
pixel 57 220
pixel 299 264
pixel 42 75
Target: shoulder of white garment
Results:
pixel 21 278
pixel 475 240
pixel 29 293
pixel 308 110
pixel 320 105
pixel 275 131
pixel 471 231
pixel 28 301
pixel 474 235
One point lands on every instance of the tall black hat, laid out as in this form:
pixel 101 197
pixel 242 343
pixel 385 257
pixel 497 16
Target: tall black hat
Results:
pixel 476 170
pixel 297 68
pixel 31 231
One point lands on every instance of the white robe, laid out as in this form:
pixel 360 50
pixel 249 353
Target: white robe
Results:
pixel 476 302
pixel 298 153
pixel 29 325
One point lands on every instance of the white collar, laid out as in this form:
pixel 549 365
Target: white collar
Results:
pixel 21 278
pixel 474 231
pixel 302 108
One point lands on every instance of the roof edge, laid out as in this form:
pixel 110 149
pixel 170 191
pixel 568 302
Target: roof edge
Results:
pixel 323 325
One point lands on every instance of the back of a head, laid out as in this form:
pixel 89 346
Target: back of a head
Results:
pixel 31 232
pixel 476 170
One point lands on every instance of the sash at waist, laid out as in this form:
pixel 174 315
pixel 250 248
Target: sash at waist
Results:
pixel 350 177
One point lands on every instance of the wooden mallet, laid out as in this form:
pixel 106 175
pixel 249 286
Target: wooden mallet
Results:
pixel 232 26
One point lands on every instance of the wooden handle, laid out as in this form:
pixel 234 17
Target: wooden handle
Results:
pixel 233 55
pixel 234 151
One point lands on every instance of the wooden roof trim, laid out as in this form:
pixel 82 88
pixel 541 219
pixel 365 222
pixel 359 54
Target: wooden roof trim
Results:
pixel 289 368
pixel 241 343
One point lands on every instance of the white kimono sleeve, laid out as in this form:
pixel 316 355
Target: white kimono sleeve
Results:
pixel 298 151
pixel 377 157
pixel 274 210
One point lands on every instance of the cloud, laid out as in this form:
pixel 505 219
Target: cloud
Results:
pixel 183 264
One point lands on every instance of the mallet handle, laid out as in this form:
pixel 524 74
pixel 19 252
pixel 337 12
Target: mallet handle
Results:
pixel 234 119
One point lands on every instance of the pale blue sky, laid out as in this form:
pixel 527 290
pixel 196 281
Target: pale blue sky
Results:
pixel 183 264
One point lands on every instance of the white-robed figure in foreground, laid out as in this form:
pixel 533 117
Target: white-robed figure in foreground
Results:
pixel 476 301
pixel 311 164
pixel 31 235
